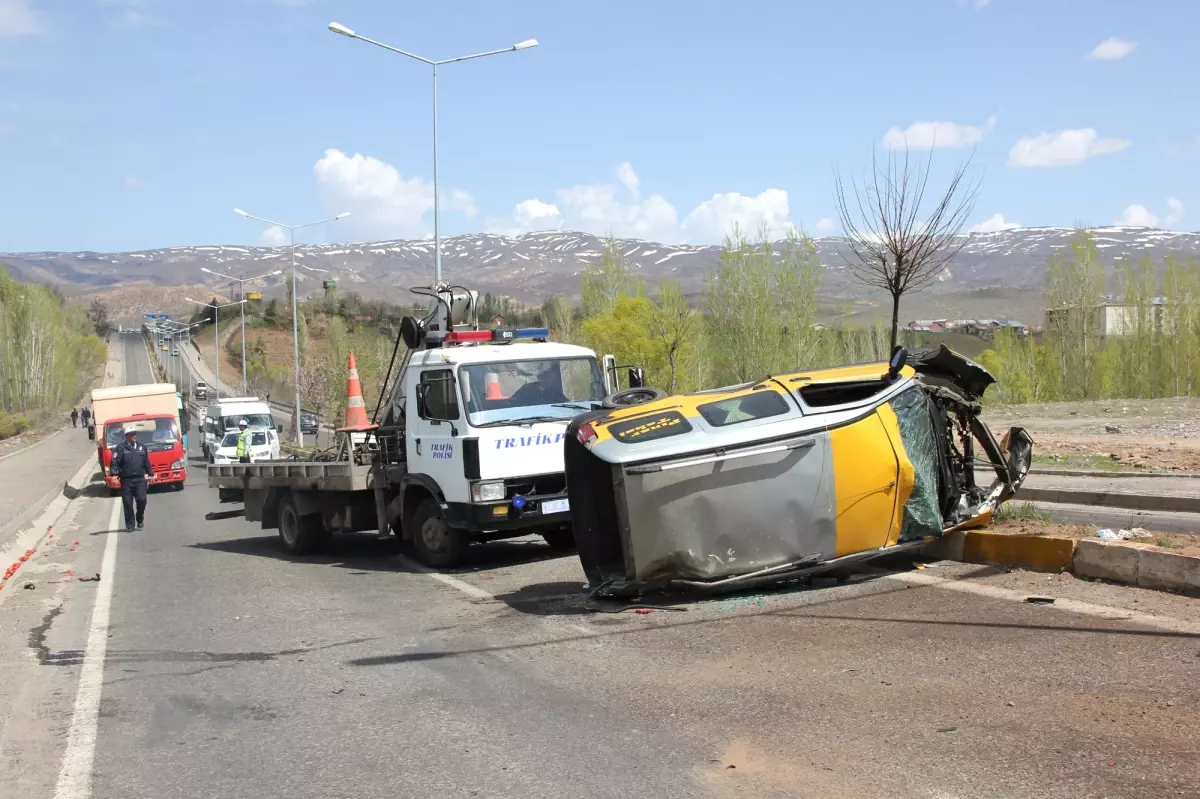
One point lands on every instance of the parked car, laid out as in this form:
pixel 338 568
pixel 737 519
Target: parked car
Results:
pixel 788 476
pixel 264 446
pixel 308 422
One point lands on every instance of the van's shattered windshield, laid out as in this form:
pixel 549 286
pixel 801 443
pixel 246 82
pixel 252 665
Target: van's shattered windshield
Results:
pixel 558 388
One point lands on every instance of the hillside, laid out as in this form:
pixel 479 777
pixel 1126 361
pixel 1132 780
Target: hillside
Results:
pixel 1001 272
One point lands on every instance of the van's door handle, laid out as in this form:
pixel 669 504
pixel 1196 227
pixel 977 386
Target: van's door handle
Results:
pixel 418 442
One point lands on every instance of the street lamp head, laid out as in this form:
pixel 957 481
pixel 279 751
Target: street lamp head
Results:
pixel 525 45
pixel 240 212
pixel 206 269
pixel 189 299
pixel 277 272
pixel 342 215
pixel 341 29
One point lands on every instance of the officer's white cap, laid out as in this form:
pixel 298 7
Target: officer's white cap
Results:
pixel 242 422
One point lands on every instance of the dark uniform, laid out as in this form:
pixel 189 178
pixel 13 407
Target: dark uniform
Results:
pixel 131 463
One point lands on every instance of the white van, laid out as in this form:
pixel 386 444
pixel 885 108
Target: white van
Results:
pixel 223 416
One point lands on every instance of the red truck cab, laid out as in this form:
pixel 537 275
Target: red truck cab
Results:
pixel 159 435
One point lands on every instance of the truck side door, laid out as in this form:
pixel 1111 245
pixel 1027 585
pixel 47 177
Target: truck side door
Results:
pixel 434 447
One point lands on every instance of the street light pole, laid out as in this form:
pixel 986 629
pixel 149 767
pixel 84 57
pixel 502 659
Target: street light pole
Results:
pixel 342 30
pixel 295 321
pixel 242 281
pixel 216 309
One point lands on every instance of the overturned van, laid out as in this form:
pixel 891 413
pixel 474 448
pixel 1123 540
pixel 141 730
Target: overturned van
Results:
pixel 786 477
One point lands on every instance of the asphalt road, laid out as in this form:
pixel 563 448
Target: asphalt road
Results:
pixel 208 664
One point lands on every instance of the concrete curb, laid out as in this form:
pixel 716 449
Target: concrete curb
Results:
pixel 1131 563
pixel 1103 474
pixel 1112 499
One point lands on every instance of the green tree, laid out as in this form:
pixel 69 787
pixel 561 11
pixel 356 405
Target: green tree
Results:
pixel 672 324
pixel 1074 293
pixel 603 283
pixel 762 306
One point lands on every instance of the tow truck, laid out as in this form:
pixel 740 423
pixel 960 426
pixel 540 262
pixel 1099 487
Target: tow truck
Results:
pixel 469 446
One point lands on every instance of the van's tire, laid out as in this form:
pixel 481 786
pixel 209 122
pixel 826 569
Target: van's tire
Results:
pixel 301 535
pixel 560 540
pixel 435 542
pixel 633 396
pixel 179 486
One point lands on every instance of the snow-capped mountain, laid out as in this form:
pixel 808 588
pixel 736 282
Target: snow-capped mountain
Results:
pixel 535 265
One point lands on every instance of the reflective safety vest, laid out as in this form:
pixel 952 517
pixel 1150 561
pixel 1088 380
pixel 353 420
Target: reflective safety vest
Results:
pixel 243 445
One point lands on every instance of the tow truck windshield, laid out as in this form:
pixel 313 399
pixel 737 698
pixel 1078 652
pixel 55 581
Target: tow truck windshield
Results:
pixel 518 391
pixel 153 434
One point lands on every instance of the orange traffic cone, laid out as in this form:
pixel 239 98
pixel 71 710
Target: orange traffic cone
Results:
pixel 356 411
pixel 493 387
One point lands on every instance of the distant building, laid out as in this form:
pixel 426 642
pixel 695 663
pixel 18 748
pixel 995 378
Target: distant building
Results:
pixel 497 320
pixel 981 328
pixel 1110 318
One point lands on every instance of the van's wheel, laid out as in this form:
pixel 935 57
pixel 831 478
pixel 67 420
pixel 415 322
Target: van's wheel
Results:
pixel 179 486
pixel 300 534
pixel 633 396
pixel 560 540
pixel 436 543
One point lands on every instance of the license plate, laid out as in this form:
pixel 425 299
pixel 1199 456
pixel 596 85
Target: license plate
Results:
pixel 555 506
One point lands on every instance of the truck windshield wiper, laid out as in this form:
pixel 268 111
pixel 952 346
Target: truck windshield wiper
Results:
pixel 573 405
pixel 524 420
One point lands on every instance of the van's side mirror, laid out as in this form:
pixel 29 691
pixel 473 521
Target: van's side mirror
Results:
pixel 279 429
pixel 637 378
pixel 897 361
pixel 91 432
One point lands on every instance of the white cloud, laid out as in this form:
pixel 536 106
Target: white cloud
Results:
pixel 601 209
pixel 134 182
pixel 382 203
pixel 5 128
pixel 629 179
pixel 274 236
pixel 981 3
pixel 1112 49
pixel 17 18
pixel 1174 211
pixel 131 13
pixel 1137 216
pixel 992 224
pixel 825 226
pixel 926 135
pixel 1063 148
pixel 712 219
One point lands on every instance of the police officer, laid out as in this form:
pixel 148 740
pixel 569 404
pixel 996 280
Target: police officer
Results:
pixel 131 462
pixel 244 440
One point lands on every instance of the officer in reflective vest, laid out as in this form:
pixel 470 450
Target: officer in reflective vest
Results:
pixel 245 438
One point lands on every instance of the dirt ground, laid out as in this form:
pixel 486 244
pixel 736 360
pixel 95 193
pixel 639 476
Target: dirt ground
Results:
pixel 1113 435
pixel 1181 543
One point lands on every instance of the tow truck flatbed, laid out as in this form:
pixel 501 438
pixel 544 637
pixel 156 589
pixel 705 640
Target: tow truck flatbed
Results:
pixel 292 474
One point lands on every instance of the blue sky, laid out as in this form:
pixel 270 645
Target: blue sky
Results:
pixel 131 124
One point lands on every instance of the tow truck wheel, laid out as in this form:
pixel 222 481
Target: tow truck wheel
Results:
pixel 633 396
pixel 436 543
pixel 560 540
pixel 300 534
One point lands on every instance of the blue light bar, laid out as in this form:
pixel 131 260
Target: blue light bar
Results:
pixel 532 332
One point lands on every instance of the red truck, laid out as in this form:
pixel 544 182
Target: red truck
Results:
pixel 152 411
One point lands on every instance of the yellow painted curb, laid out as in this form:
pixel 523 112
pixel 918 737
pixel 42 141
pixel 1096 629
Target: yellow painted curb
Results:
pixel 1036 552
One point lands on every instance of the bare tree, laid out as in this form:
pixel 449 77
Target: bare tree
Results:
pixel 889 245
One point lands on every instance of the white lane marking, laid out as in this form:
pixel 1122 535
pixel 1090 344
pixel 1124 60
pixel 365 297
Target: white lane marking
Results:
pixel 75 776
pixel 453 582
pixel 1061 603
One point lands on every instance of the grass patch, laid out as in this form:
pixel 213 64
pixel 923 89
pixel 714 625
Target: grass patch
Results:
pixel 1013 511
pixel 1166 542
pixel 1099 463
